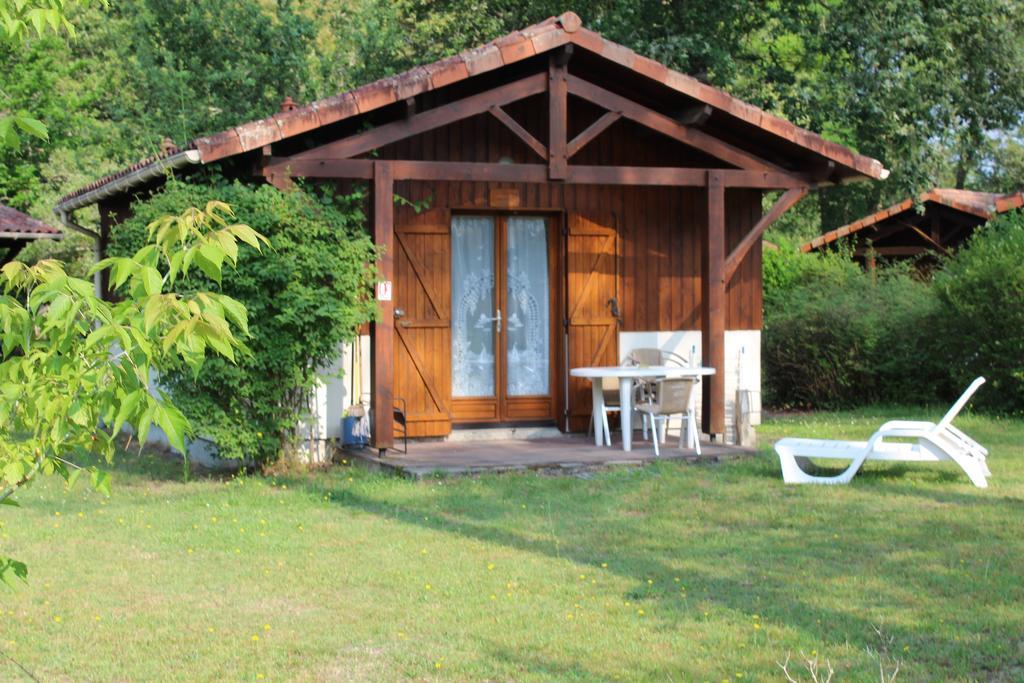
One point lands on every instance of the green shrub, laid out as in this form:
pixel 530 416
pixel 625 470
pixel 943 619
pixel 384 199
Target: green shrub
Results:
pixel 308 294
pixel 982 291
pixel 835 336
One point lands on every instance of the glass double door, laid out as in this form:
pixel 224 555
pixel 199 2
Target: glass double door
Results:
pixel 501 318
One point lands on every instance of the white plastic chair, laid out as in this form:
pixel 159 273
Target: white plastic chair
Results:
pixel 670 397
pixel 934 442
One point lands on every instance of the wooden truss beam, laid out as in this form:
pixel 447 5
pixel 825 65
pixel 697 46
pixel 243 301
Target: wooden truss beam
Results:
pixel 362 169
pixel 891 251
pixel 533 143
pixel 558 117
pixel 670 127
pixel 592 131
pixel 443 115
pixel 739 252
pixel 926 237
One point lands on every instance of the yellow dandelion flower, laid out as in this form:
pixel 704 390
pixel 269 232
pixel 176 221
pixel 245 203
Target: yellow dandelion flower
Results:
pixel 640 612
pixel 57 618
pixel 57 513
pixel 490 567
pixel 210 629
pixel 266 627
pixel 190 551
pixel 604 565
pixel 650 582
pixel 427 586
pixel 96 617
pixel 255 637
pixel 757 627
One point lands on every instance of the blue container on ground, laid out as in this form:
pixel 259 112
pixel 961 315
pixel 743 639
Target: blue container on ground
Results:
pixel 351 433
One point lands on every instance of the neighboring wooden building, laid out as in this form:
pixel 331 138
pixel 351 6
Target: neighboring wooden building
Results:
pixel 584 200
pixel 18 229
pixel 945 220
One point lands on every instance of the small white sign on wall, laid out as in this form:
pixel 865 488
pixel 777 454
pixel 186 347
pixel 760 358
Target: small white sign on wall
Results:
pixel 384 290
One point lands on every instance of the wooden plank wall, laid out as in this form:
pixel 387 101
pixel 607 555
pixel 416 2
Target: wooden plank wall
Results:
pixel 660 228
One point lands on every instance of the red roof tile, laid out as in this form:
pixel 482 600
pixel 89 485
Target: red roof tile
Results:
pixel 15 224
pixel 542 37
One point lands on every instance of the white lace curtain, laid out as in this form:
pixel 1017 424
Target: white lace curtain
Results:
pixel 472 306
pixel 528 315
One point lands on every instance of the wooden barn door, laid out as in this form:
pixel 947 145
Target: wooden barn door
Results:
pixel 422 293
pixel 592 302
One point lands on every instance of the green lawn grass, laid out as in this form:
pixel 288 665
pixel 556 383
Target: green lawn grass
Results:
pixel 670 572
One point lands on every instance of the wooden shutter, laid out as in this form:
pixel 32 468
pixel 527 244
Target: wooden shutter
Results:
pixel 422 291
pixel 592 274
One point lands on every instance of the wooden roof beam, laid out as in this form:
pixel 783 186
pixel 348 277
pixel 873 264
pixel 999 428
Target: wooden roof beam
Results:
pixel 739 252
pixel 592 131
pixel 670 127
pixel 437 117
pixel 926 237
pixel 653 176
pixel 891 251
pixel 533 143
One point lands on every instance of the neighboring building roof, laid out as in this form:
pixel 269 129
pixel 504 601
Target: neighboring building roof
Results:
pixel 514 47
pixel 981 205
pixel 18 226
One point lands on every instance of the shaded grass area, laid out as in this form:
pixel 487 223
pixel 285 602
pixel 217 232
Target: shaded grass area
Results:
pixel 670 572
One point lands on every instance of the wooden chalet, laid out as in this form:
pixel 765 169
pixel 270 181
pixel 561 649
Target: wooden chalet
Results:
pixel 582 199
pixel 935 223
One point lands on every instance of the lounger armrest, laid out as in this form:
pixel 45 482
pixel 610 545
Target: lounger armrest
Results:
pixel 903 431
pixel 907 424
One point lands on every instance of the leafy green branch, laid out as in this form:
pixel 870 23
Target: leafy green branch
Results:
pixel 76 369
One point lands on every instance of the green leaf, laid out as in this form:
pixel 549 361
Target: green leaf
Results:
pixel 101 481
pixel 11 571
pixel 14 472
pixel 31 126
pixel 152 282
pixel 174 424
pixel 129 406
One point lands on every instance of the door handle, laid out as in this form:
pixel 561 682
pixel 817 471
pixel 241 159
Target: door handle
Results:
pixel 613 304
pixel 497 321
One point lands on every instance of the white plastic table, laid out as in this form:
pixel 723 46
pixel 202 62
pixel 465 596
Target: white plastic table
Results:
pixel 626 375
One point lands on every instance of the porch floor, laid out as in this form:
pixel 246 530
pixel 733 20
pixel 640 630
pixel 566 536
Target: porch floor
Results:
pixel 568 454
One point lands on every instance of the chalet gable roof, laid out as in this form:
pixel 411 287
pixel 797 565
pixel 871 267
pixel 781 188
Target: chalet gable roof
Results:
pixel 548 35
pixel 18 226
pixel 982 206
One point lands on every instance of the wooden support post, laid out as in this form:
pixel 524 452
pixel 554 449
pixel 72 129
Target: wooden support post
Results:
pixel 558 118
pixel 713 309
pixel 383 332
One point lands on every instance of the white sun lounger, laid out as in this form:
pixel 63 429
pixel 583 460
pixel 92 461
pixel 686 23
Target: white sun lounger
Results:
pixel 934 442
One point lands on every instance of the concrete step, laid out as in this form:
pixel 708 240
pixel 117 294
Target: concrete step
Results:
pixel 504 434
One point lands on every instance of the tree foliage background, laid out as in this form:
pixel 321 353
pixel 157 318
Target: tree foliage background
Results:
pixel 933 89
